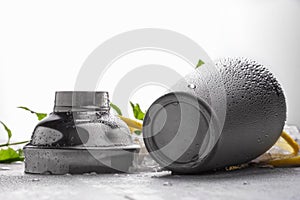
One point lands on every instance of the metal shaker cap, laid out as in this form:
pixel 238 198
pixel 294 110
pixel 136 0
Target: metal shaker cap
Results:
pixel 179 131
pixel 81 101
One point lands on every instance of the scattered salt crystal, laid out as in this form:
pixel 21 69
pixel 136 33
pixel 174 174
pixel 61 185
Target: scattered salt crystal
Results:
pixel 245 183
pixel 4 168
pixel 167 184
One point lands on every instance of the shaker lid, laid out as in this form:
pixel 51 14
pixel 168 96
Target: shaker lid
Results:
pixel 81 100
pixel 179 130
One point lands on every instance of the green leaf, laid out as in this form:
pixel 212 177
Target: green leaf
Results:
pixel 9 134
pixel 137 112
pixel 25 108
pixel 200 63
pixel 10 155
pixel 116 108
pixel 40 116
pixel 138 132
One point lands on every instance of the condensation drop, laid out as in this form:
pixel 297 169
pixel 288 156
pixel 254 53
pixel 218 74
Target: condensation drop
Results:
pixel 259 140
pixel 192 86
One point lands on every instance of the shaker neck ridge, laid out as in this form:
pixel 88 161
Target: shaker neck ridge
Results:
pixel 77 101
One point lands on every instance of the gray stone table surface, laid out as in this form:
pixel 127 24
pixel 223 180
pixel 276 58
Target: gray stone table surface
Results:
pixel 250 183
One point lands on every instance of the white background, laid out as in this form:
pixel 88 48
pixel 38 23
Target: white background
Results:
pixel 44 43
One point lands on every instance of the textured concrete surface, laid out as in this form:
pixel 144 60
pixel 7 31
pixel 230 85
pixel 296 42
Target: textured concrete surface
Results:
pixel 251 183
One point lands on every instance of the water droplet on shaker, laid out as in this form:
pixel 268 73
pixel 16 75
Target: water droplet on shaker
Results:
pixel 259 140
pixel 192 86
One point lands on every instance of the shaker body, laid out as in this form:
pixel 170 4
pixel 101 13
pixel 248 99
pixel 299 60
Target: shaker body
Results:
pixel 246 114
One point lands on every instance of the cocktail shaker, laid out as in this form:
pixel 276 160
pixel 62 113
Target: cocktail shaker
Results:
pixel 217 116
pixel 80 136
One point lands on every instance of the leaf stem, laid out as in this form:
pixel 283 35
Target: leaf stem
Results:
pixel 15 143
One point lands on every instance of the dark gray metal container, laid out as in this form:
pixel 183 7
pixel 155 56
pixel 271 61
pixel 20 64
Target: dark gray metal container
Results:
pixel 80 136
pixel 216 117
